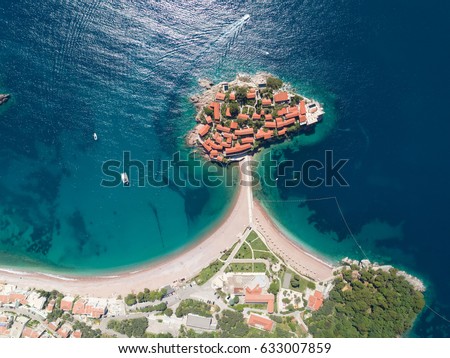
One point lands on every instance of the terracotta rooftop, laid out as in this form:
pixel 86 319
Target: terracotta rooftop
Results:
pixel 261 322
pixel 208 119
pixel 228 113
pixel 282 111
pixel 256 116
pixel 292 115
pixel 270 124
pixel 281 97
pixel 238 149
pixel 247 140
pixel 204 130
pixel 266 102
pixel 315 301
pixel 251 95
pixel 234 125
pixel 232 96
pixel 223 128
pixel 243 116
pixel 256 296
pixel 220 96
pixel 246 131
pixel 302 107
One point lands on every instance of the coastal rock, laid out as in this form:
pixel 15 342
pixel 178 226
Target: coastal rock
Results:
pixel 4 98
pixel 205 83
pixel 365 263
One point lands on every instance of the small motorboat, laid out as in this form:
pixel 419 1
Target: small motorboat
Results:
pixel 124 177
pixel 95 136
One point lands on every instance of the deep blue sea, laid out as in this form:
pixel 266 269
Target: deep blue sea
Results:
pixel 125 70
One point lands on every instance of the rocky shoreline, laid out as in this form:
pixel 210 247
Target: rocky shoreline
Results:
pixel 414 281
pixel 4 98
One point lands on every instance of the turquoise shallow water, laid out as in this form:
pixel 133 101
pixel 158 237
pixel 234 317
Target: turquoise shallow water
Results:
pixel 125 71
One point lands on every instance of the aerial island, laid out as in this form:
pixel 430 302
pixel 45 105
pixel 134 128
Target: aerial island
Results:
pixel 237 118
pixel 4 98
pixel 245 278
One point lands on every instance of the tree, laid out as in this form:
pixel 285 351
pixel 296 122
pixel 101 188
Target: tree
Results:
pixel 274 83
pixel 274 287
pixel 234 109
pixel 130 300
pixel 241 94
pixel 208 111
pixel 168 312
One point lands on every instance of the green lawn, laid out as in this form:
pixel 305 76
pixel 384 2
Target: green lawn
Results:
pixel 259 267
pixel 244 252
pixel 258 244
pixel 208 272
pixel 239 268
pixel 303 283
pixel 227 254
pixel 265 255
pixel 252 236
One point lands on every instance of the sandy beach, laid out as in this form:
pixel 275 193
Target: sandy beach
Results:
pixel 186 264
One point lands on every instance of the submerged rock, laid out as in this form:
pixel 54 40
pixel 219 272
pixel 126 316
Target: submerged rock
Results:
pixel 4 98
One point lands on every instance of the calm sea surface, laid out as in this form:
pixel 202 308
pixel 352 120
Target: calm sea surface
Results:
pixel 125 70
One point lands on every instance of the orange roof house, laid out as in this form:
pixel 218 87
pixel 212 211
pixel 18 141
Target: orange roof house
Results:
pixel 234 125
pixel 268 117
pixel 302 107
pixel 67 303
pixel 223 129
pixel 216 107
pixel 256 296
pixel 315 301
pixel 281 97
pixel 208 119
pixel 228 113
pixel 251 95
pixel 204 130
pixel 237 149
pixel 243 116
pixel 291 115
pixel 270 124
pixel 246 131
pixel 76 334
pixel 282 132
pixel 266 102
pixel 220 96
pixel 206 146
pixel 232 96
pixel 260 322
pixel 282 111
pixel 256 116
pixel 247 140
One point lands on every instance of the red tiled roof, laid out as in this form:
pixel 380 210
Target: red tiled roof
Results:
pixel 220 96
pixel 315 301
pixel 268 135
pixel 216 107
pixel 234 125
pixel 266 102
pixel 286 123
pixel 252 90
pixel 281 97
pixel 302 107
pixel 251 95
pixel 220 158
pixel 238 149
pixel 247 140
pixel 232 96
pixel 77 334
pixel 228 113
pixel 243 116
pixel 229 139
pixel 302 118
pixel 227 135
pixel 66 305
pixel 282 132
pixel 214 153
pixel 216 146
pixel 260 134
pixel 255 296
pixel 204 130
pixel 282 111
pixel 270 124
pixel 291 115
pixel 245 131
pixel 206 146
pixel 79 307
pixel 256 116
pixel 292 109
pixel 208 119
pixel 223 129
pixel 268 117
pixel 260 322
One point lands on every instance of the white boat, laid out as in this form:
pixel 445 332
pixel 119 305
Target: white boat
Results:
pixel 95 136
pixel 124 177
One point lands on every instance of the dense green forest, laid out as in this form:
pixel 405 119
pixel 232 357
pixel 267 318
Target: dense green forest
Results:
pixel 367 303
